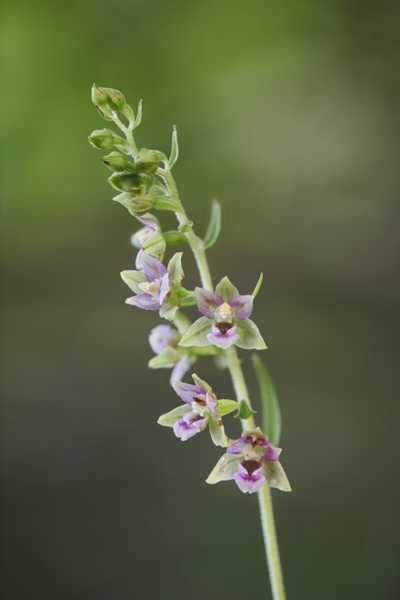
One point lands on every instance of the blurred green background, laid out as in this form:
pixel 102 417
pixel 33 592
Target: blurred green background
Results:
pixel 288 113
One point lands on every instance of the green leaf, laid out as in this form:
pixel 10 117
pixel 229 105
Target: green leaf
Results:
pixel 244 412
pixel 214 226
pixel 188 301
pixel 224 470
pixel 217 431
pixel 225 407
pixel 257 288
pixel 133 279
pixel 270 406
pixel 276 476
pixel 174 149
pixel 138 115
pixel 166 203
pixel 226 289
pixel 196 335
pixel 170 418
pixel 249 336
pixel 175 269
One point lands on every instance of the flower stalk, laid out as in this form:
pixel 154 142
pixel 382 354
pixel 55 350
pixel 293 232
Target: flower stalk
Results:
pixel 145 182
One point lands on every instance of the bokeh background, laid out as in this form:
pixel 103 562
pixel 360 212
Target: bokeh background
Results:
pixel 288 113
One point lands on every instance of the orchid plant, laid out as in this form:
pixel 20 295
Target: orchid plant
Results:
pixel 144 183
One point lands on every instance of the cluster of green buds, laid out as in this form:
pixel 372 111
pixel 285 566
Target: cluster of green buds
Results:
pixel 143 179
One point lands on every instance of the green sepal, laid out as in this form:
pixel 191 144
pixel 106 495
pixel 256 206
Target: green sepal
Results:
pixel 168 309
pixel 104 112
pixel 174 237
pixel 167 358
pixel 175 270
pixel 214 226
pixel 225 407
pixel 201 383
pixel 258 285
pixel 136 204
pixel 148 161
pixel 196 335
pixel 99 95
pixel 249 336
pixel 174 149
pixel 115 99
pixel 276 476
pixel 224 470
pixel 244 412
pixel 271 415
pixel 226 290
pixel 166 203
pixel 205 351
pixel 217 431
pixel 170 418
pixel 125 182
pixel 133 279
pixel 116 161
pixel 155 245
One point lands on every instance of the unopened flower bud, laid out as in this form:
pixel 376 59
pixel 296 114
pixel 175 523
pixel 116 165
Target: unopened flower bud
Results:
pixel 137 205
pixel 102 138
pixel 149 160
pixel 104 112
pixel 99 95
pixel 125 182
pixel 115 161
pixel 115 99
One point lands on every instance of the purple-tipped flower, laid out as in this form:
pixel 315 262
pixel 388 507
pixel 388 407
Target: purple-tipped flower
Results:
pixel 156 285
pixel 164 340
pixel 199 410
pixel 148 239
pixel 225 320
pixel 251 461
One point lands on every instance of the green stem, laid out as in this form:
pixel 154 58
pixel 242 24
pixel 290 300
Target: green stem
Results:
pixel 264 495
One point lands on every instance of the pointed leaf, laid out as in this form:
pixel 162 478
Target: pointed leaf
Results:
pixel 133 279
pixel 224 470
pixel 226 289
pixel 270 406
pixel 170 418
pixel 257 288
pixel 138 115
pixel 217 431
pixel 214 226
pixel 166 203
pixel 225 407
pixel 174 149
pixel 196 335
pixel 249 336
pixel 276 476
pixel 244 412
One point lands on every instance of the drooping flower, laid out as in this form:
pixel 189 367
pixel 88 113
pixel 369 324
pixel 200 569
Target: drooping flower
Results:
pixel 148 239
pixel 156 286
pixel 201 408
pixel 164 340
pixel 251 461
pixel 225 319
